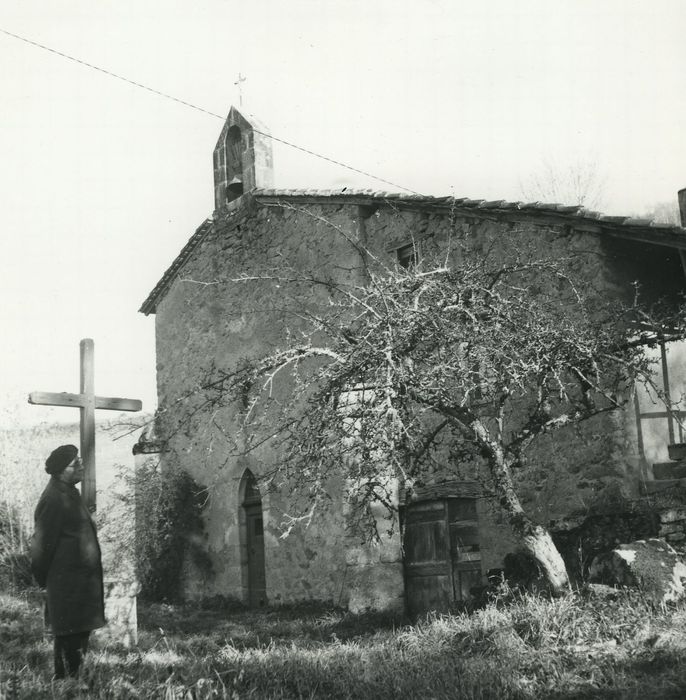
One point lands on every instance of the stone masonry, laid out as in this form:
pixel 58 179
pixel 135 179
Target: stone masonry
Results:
pixel 220 302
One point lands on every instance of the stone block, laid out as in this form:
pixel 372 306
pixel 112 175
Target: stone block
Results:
pixel 360 556
pixel 231 536
pixel 386 553
pixel 391 554
pixel 671 528
pixel 650 487
pixel 652 566
pixel 669 470
pixel 376 588
pixel 121 612
pixel 673 515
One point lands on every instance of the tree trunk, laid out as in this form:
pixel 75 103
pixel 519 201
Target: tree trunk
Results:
pixel 539 543
pixel 535 538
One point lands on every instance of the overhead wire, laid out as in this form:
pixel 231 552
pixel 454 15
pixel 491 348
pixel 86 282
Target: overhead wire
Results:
pixel 199 109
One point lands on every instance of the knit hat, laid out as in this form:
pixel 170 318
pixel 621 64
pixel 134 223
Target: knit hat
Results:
pixel 60 459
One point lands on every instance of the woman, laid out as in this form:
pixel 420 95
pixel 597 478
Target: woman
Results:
pixel 66 561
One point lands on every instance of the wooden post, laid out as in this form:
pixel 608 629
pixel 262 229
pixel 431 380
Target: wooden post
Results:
pixel 665 387
pixel 681 196
pixel 87 422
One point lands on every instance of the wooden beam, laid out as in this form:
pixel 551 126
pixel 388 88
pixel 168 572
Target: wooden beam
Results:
pixel 46 398
pixel 665 386
pixel 116 404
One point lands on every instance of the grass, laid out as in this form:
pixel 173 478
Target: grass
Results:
pixel 529 647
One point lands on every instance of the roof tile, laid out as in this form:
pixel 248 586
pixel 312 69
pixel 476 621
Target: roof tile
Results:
pixel 633 221
pixel 613 219
pixel 676 236
pixel 546 205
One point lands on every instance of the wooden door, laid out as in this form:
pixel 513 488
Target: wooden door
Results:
pixel 442 557
pixel 257 586
pixel 465 553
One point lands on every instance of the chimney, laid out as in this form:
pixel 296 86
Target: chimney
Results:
pixel 682 206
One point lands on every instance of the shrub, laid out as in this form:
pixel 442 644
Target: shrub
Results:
pixel 15 568
pixel 169 528
pixel 155 523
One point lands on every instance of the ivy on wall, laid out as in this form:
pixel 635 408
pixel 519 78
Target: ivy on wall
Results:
pixel 169 527
pixel 161 524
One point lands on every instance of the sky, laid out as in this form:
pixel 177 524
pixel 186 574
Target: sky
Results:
pixel 103 182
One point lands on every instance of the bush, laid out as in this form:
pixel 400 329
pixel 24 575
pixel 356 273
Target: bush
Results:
pixel 154 523
pixel 169 528
pixel 15 565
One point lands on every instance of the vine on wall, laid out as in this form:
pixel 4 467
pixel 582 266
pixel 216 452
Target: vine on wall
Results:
pixel 168 531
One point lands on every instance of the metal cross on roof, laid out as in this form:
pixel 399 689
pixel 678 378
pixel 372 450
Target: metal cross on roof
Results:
pixel 241 79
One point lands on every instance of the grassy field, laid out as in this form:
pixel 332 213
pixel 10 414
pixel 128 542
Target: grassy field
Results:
pixel 529 647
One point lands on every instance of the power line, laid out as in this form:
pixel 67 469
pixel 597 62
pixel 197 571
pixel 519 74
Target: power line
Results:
pixel 335 162
pixel 199 109
pixel 112 75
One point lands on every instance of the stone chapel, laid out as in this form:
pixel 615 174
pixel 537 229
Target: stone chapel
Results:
pixel 457 533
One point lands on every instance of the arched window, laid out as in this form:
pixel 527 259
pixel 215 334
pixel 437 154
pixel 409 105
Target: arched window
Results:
pixel 252 541
pixel 251 492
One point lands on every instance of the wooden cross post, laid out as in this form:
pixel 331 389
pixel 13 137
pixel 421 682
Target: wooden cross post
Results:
pixel 87 402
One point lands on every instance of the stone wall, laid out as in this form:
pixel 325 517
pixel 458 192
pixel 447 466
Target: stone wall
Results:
pixel 580 539
pixel 672 528
pixel 199 325
pixel 211 317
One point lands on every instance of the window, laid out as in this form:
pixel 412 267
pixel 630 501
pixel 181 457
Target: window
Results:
pixel 251 492
pixel 657 424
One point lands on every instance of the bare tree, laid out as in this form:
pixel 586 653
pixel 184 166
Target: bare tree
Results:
pixel 580 182
pixel 663 213
pixel 483 354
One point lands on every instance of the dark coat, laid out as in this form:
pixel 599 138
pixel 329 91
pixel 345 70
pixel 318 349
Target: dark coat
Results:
pixel 65 559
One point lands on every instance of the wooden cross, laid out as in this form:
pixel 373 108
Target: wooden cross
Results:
pixel 87 402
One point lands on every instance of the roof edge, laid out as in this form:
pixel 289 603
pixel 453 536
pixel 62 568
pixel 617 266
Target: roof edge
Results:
pixel 627 227
pixel 150 304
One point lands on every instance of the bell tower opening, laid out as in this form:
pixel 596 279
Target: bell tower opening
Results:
pixel 234 154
